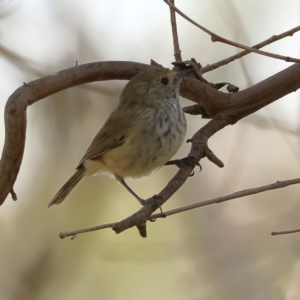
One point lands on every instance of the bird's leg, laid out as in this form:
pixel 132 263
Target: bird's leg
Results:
pixel 121 180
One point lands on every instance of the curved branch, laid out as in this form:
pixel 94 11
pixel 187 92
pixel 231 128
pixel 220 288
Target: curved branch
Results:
pixel 31 92
pixel 239 105
pixel 226 108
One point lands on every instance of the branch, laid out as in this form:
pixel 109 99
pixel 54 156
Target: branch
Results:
pixel 217 38
pixel 177 51
pixel 272 39
pixel 199 150
pixel 285 232
pixel 239 194
pixel 214 104
pixel 224 109
pixel 239 105
pixel 31 92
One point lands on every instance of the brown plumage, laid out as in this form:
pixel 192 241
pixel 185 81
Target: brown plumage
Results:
pixel 141 135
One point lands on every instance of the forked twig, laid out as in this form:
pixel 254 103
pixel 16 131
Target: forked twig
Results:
pixel 217 38
pixel 239 194
pixel 270 40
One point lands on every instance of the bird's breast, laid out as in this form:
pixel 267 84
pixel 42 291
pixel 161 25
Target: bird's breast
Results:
pixel 154 140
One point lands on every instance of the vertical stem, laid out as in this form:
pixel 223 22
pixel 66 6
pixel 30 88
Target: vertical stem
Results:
pixel 177 51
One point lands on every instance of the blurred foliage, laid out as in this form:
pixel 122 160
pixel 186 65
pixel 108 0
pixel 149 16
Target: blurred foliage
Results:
pixel 217 252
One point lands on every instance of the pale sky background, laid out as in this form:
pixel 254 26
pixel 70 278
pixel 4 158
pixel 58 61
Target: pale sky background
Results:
pixel 219 252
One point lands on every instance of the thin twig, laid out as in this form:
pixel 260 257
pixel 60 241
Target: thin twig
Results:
pixel 177 51
pixel 285 232
pixel 217 38
pixel 72 233
pixel 270 40
pixel 239 194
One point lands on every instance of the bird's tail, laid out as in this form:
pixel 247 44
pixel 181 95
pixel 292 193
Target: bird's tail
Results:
pixel 67 187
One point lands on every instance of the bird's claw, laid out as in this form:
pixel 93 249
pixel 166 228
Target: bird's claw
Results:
pixel 186 161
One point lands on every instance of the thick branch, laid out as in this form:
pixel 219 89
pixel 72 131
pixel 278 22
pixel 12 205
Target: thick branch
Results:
pixel 239 105
pixel 15 109
pixel 228 108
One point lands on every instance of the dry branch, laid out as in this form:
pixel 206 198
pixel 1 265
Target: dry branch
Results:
pixel 230 59
pixel 177 51
pixel 224 109
pixel 217 38
pixel 285 232
pixel 29 93
pixel 228 108
pixel 239 194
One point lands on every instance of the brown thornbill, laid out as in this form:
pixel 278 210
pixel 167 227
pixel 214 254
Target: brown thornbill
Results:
pixel 140 136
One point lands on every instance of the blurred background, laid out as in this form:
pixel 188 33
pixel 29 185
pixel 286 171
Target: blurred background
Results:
pixel 217 252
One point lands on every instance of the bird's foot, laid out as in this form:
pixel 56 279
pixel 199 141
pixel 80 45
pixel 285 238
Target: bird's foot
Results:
pixel 183 162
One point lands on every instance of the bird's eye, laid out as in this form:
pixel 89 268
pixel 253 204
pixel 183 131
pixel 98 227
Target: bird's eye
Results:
pixel 164 81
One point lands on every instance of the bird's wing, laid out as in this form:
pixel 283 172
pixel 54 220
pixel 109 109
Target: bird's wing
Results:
pixel 99 147
pixel 113 134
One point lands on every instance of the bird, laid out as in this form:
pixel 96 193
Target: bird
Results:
pixel 140 136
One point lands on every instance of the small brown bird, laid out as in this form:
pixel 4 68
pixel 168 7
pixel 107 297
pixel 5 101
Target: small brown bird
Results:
pixel 140 136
